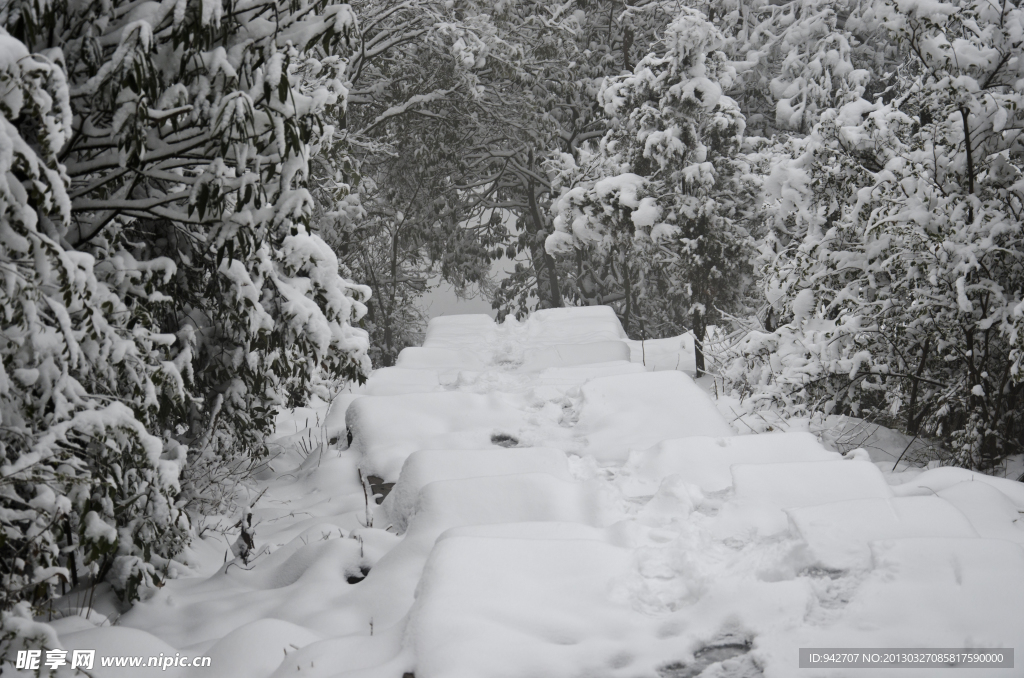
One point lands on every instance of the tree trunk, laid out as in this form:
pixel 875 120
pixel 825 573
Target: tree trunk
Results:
pixel 627 44
pixel 914 418
pixel 699 329
pixel 628 286
pixel 388 358
pixel 970 162
pixel 547 277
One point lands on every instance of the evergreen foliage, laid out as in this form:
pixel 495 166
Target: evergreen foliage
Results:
pixel 164 289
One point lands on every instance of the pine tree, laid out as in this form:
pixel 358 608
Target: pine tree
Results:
pixel 165 291
pixel 668 197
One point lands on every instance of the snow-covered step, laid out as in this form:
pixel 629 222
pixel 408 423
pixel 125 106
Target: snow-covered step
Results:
pixel 922 593
pixel 569 355
pixel 419 357
pixel 398 380
pixel 707 462
pixel 521 497
pixel 428 466
pixel 580 374
pixel 513 607
pixel 838 533
pixel 636 411
pixel 461 332
pixel 990 511
pixel 670 353
pixel 762 492
pixel 794 484
pixel 938 479
pixel 386 430
pixel 580 325
pixel 446 504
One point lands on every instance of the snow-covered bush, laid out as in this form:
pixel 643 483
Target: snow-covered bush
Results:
pixel 901 272
pixel 797 58
pixel 667 199
pixel 163 291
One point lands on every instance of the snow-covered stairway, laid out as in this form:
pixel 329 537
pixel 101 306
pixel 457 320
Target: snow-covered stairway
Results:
pixel 557 508
pixel 666 544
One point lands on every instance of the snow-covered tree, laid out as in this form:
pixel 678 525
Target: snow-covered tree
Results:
pixel 605 39
pixel 85 488
pixel 904 293
pixel 414 83
pixel 164 288
pixel 667 200
pixel 798 58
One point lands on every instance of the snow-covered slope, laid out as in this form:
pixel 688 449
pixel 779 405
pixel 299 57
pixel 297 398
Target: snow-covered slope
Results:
pixel 561 509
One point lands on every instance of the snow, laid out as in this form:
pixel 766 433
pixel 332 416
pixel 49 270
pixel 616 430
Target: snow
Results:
pixel 787 485
pixel 568 512
pixel 575 376
pixel 568 355
pixel 459 331
pixel 583 325
pixel 623 186
pixel 514 498
pixel 921 593
pixel 661 405
pixel 838 533
pixel 117 640
pixel 550 615
pixel 991 513
pixel 428 466
pixel 427 420
pixel 437 358
pixel 398 380
pixel 707 462
pixel 938 479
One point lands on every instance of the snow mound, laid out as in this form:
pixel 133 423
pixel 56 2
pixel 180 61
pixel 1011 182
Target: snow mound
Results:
pixel 116 640
pixel 991 513
pixel 579 375
pixel 427 466
pixel 549 616
pixel 707 462
pixel 255 650
pixel 636 411
pixel 788 485
pixel 386 430
pixel 460 332
pixel 399 381
pixel 568 355
pixel 938 479
pixel 924 593
pixel 579 325
pixel 838 533
pixel 418 357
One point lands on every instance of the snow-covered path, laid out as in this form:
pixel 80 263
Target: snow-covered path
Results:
pixel 559 509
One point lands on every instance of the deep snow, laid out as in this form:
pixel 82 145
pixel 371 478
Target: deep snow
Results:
pixel 563 509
